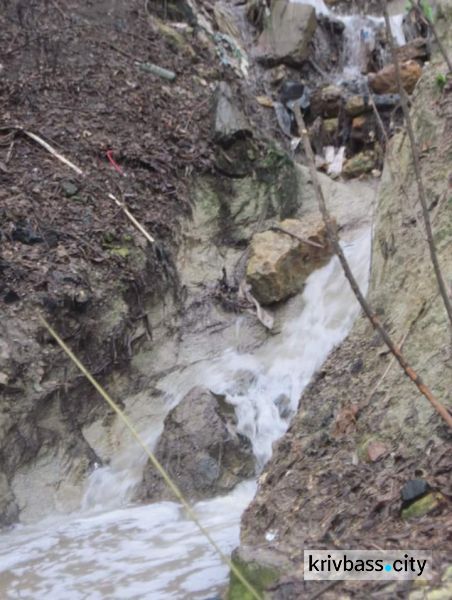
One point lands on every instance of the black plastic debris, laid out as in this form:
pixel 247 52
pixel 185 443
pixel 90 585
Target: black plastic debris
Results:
pixel 295 93
pixel 413 490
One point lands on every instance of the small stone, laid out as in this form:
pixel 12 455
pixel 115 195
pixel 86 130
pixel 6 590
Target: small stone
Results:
pixel 358 122
pixel 376 450
pixel 326 101
pixel 278 74
pixel 414 489
pixel 265 101
pixel 69 188
pixel 331 126
pixel 356 105
pixel 280 263
pixel 361 163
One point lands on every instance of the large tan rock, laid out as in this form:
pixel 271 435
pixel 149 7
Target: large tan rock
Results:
pixel 385 81
pixel 287 34
pixel 280 263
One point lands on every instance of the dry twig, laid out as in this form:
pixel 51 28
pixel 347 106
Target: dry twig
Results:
pixel 131 218
pixel 45 145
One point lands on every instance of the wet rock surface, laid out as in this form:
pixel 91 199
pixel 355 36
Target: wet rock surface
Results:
pixel 286 37
pixel 280 261
pixel 201 450
pixel 385 81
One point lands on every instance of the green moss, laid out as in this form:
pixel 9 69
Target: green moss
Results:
pixel 121 251
pixel 258 575
pixel 423 506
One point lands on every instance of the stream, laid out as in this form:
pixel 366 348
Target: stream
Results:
pixel 153 551
pixel 110 550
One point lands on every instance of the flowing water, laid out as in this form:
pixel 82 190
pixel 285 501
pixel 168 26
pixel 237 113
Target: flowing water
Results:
pixel 154 551
pixel 360 35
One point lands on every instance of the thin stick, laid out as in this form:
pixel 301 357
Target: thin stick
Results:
pixel 303 133
pixel 129 215
pixel 47 146
pixel 297 237
pixel 155 462
pixel 417 169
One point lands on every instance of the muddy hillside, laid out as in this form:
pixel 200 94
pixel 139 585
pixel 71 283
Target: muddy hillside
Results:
pixel 158 210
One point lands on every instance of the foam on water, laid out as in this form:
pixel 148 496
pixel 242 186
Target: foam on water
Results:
pixel 140 552
pixel 154 551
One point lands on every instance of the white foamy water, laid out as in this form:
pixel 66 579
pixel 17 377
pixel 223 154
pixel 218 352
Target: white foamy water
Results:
pixel 360 35
pixel 147 552
pixel 154 551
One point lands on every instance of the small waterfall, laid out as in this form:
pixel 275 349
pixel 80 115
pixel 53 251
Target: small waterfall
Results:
pixel 360 36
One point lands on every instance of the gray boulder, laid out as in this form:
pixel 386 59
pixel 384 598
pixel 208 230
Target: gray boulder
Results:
pixel 201 450
pixel 287 34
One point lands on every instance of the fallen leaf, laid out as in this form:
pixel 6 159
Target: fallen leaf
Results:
pixel 375 450
pixel 346 419
pixel 265 101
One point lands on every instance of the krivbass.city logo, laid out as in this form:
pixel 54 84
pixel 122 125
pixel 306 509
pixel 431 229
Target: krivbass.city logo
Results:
pixel 367 565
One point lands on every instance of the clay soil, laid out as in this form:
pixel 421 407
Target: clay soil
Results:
pixel 70 73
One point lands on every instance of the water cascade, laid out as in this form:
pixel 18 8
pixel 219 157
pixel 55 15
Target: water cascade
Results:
pixel 155 550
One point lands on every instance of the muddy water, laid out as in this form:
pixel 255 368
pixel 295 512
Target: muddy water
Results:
pixel 154 551
pixel 107 550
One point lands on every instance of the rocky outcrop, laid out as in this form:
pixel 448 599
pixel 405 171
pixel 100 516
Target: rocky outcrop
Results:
pixel 230 122
pixel 287 34
pixel 385 81
pixel 201 450
pixel 280 262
